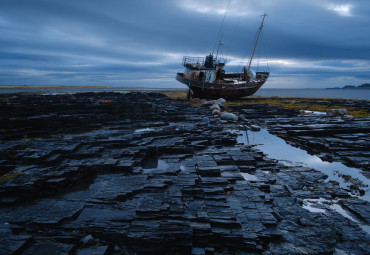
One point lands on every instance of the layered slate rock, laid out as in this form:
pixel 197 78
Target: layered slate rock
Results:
pixel 343 139
pixel 140 173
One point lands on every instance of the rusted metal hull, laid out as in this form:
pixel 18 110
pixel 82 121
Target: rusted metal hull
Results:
pixel 216 90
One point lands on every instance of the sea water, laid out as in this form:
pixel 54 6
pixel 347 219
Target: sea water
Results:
pixel 316 93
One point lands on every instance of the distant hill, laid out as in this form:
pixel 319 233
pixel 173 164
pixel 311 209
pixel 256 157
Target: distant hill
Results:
pixel 362 86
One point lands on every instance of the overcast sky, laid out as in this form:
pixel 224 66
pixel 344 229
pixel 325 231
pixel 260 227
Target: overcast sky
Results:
pixel 315 43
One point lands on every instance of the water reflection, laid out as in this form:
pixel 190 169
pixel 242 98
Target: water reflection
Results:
pixel 321 205
pixel 153 164
pixel 277 148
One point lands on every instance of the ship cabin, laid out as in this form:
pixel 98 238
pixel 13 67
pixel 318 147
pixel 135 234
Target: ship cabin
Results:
pixel 202 69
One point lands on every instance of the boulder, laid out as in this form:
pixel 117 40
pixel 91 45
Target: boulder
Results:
pixel 216 112
pixel 337 112
pixel 221 101
pixel 207 103
pixel 229 116
pixel 222 106
pixel 215 107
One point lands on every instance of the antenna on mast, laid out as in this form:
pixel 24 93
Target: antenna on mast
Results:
pixel 219 46
pixel 219 35
pixel 255 44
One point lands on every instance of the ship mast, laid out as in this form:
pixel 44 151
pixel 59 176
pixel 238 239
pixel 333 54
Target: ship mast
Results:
pixel 255 44
pixel 219 45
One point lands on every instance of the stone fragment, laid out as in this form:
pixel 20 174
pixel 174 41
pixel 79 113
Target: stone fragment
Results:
pixel 99 250
pixel 88 240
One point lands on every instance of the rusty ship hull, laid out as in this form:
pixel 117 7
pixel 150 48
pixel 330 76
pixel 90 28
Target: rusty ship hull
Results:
pixel 214 90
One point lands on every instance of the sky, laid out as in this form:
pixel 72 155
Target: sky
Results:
pixel 304 44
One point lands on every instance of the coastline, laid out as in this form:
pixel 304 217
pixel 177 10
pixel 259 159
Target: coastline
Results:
pixel 264 92
pixel 146 173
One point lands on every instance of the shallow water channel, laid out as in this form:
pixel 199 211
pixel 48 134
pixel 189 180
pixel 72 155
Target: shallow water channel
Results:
pixel 277 148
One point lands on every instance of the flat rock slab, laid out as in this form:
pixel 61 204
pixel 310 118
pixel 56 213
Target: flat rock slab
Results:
pixel 10 243
pixel 49 246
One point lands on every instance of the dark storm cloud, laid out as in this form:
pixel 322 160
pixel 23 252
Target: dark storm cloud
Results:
pixel 122 42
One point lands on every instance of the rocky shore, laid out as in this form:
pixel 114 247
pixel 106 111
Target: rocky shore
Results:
pixel 141 173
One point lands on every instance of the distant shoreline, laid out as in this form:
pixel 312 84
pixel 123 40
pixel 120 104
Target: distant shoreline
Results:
pixel 77 88
pixel 70 87
pixel 362 86
pixel 348 88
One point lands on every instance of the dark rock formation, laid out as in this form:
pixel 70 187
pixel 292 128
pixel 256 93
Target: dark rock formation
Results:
pixel 140 173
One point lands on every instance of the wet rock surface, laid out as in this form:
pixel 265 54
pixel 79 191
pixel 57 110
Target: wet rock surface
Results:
pixel 342 139
pixel 109 173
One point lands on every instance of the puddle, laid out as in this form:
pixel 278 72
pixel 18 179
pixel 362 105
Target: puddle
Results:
pixel 153 164
pixel 277 148
pixel 312 207
pixel 321 205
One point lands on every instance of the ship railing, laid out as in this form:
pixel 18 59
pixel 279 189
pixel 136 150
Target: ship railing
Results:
pixel 193 61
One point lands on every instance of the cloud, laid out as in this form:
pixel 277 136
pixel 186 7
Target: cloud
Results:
pixel 234 8
pixel 142 42
pixel 342 9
